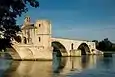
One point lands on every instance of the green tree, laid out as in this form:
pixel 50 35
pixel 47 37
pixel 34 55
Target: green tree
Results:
pixel 9 11
pixel 108 44
pixel 105 45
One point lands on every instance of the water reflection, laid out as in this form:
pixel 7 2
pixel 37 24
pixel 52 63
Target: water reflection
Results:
pixel 107 54
pixel 85 61
pixel 107 62
pixel 59 67
pixel 80 63
pixel 30 69
pixel 58 64
pixel 4 65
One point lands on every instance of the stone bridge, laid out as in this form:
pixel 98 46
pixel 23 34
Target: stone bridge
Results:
pixel 67 47
pixel 35 41
pixel 59 46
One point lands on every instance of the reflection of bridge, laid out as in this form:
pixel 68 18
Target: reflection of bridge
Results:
pixel 59 67
pixel 35 42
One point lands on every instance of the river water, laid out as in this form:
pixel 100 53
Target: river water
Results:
pixel 85 66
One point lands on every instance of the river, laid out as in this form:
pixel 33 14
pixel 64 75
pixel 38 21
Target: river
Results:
pixel 85 66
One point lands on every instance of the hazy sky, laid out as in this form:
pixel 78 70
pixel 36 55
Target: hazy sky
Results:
pixel 78 19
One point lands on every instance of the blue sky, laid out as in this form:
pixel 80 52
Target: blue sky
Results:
pixel 77 19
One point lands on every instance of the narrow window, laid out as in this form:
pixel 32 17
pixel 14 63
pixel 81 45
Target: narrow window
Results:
pixel 39 39
pixel 39 25
pixel 72 46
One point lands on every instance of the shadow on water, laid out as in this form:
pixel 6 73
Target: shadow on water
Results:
pixel 107 54
pixel 58 63
pixel 13 67
pixel 107 60
pixel 85 60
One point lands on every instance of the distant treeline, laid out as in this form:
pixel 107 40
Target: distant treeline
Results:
pixel 105 45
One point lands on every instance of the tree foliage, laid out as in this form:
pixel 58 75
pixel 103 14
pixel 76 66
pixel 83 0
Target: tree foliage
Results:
pixel 9 11
pixel 104 45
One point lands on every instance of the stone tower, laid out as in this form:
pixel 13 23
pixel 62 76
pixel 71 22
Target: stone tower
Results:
pixel 43 34
pixel 36 40
pixel 27 20
pixel 27 31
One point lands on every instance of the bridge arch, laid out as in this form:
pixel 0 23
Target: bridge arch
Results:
pixel 59 48
pixel 84 48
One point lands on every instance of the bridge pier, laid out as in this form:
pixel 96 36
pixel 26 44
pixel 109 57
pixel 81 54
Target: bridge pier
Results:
pixel 75 53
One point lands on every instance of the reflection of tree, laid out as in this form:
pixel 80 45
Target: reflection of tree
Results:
pixel 107 62
pixel 13 67
pixel 19 69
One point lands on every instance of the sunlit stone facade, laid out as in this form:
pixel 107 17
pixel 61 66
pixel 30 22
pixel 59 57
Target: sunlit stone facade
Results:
pixel 35 40
pixel 38 34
